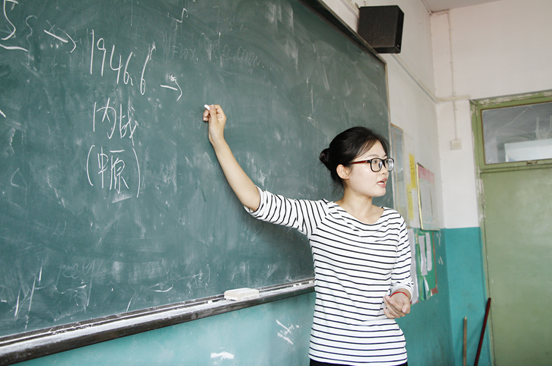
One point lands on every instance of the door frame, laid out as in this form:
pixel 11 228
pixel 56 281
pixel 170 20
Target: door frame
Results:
pixel 477 106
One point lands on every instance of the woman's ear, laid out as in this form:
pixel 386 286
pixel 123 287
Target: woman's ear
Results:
pixel 343 172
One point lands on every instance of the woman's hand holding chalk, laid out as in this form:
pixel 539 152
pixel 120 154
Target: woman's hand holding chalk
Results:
pixel 206 113
pixel 216 119
pixel 217 112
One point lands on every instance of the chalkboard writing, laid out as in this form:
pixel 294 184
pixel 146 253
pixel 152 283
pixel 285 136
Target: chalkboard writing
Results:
pixel 111 199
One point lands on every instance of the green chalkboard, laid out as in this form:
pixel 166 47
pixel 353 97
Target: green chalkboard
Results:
pixel 111 198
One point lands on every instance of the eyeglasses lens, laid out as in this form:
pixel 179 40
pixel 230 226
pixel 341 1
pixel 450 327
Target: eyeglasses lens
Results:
pixel 376 164
pixel 390 164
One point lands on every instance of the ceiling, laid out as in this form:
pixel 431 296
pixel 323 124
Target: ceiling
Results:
pixel 440 5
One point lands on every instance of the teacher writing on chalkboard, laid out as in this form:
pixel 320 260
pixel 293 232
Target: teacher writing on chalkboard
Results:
pixel 361 252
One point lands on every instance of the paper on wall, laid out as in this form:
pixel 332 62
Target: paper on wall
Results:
pixel 429 251
pixel 423 260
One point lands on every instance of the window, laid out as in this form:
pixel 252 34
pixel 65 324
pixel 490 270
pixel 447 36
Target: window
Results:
pixel 517 133
pixel 514 130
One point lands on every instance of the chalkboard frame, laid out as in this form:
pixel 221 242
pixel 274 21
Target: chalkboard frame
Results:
pixel 34 344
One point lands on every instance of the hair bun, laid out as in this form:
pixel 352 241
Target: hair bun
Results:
pixel 325 156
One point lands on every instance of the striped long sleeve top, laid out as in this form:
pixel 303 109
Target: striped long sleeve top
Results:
pixel 355 265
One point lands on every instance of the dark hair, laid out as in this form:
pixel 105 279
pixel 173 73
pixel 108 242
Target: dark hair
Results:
pixel 346 146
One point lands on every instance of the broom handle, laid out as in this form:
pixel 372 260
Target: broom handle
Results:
pixel 483 331
pixel 465 350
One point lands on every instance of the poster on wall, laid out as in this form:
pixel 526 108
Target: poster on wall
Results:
pixel 427 201
pixel 412 193
pixel 426 279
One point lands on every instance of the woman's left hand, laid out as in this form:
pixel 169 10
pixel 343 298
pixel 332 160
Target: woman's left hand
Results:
pixel 396 306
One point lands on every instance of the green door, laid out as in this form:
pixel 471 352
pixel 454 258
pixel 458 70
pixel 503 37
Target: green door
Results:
pixel 518 233
pixel 513 138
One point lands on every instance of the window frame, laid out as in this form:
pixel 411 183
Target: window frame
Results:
pixel 480 105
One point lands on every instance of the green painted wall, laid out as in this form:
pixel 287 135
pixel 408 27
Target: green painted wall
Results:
pixel 427 328
pixel 276 333
pixel 468 294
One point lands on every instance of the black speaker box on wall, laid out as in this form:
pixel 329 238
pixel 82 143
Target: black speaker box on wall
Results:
pixel 381 27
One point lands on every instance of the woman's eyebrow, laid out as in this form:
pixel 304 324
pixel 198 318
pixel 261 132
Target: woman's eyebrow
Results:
pixel 376 156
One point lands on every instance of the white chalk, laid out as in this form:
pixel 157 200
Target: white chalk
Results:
pixel 207 107
pixel 241 294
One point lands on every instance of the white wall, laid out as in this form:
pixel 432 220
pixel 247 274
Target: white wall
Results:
pixel 411 82
pixel 496 49
pixel 483 51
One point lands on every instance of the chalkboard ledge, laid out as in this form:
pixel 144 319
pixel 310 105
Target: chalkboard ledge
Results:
pixel 30 345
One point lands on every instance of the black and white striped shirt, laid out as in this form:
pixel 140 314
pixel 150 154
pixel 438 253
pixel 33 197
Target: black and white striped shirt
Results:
pixel 355 265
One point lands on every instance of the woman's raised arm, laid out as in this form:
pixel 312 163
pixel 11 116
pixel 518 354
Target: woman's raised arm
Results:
pixel 241 184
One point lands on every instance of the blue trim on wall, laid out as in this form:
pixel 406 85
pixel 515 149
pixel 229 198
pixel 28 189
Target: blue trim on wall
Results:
pixel 468 292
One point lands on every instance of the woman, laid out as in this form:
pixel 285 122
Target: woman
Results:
pixel 361 252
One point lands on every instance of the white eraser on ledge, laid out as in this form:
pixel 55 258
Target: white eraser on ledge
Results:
pixel 241 294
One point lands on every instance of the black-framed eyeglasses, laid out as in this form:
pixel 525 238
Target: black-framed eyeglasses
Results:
pixel 376 164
